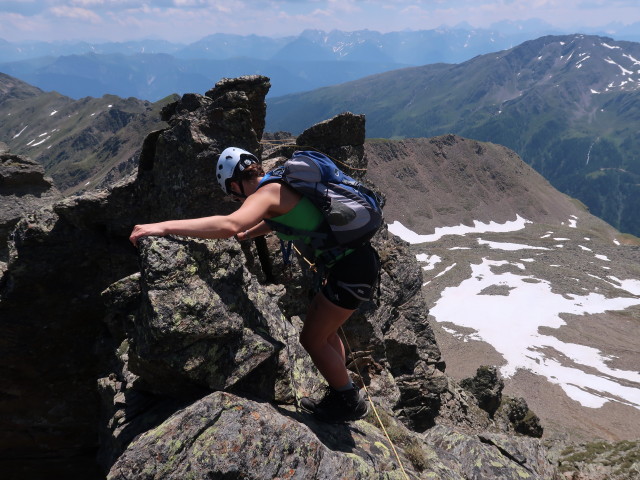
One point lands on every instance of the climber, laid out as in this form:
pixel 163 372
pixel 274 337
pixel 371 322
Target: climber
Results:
pixel 347 283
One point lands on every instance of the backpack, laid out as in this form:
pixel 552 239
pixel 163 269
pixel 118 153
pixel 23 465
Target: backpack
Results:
pixel 352 211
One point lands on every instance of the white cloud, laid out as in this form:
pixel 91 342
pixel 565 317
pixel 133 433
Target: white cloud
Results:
pixel 190 20
pixel 76 13
pixel 87 3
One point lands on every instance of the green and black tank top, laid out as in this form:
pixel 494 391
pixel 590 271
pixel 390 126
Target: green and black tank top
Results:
pixel 303 216
pixel 307 228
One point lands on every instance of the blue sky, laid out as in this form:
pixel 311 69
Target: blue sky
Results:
pixel 189 20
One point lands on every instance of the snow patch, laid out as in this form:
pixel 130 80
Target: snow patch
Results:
pixel 514 325
pixel 410 236
pixel 40 142
pixel 440 274
pixel 579 62
pixel 509 246
pixel 573 221
pixel 20 132
pixel 631 286
pixel 635 62
pixel 445 270
pixel 431 260
pixel 613 62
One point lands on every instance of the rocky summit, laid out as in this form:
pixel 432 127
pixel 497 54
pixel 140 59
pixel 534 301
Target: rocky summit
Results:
pixel 180 359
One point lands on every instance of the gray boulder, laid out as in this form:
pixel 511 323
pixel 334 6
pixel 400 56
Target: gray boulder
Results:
pixel 23 189
pixel 226 436
pixel 487 387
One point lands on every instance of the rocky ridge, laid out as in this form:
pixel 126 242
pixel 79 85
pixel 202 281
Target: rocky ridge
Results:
pixel 193 343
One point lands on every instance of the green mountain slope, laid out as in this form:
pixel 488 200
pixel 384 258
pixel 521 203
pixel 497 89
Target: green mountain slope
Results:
pixel 76 141
pixel 568 105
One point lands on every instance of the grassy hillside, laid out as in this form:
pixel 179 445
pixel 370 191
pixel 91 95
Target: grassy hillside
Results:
pixel 74 140
pixel 568 105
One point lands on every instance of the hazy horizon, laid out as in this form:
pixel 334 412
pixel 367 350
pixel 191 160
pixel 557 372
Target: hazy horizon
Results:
pixel 186 21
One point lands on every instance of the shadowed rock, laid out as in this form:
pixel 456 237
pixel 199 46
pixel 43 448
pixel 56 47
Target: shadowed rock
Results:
pixel 522 419
pixel 62 258
pixel 487 387
pixel 23 189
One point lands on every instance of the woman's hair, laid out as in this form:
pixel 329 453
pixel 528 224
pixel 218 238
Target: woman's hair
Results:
pixel 252 171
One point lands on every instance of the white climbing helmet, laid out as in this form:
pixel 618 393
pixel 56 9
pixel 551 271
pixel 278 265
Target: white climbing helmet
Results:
pixel 232 161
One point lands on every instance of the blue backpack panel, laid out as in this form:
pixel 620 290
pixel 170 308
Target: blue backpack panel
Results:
pixel 352 211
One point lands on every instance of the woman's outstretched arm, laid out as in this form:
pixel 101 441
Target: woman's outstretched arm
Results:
pixel 251 213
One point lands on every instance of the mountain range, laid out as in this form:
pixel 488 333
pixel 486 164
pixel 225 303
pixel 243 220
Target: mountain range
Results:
pixel 153 69
pixel 568 105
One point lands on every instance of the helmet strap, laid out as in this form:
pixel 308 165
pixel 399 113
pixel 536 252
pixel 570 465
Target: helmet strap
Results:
pixel 236 194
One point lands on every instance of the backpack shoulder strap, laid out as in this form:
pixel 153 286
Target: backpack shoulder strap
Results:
pixel 274 175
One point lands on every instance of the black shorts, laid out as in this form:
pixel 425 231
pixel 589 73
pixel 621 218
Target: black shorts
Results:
pixel 353 279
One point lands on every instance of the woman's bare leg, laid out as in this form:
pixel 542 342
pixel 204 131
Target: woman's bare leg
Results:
pixel 336 342
pixel 320 339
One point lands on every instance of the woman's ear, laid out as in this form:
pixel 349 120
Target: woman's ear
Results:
pixel 236 189
pixel 236 186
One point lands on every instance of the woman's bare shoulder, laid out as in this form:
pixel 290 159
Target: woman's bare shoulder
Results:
pixel 283 197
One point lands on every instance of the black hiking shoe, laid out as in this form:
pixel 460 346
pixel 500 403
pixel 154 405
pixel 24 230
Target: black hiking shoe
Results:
pixel 337 406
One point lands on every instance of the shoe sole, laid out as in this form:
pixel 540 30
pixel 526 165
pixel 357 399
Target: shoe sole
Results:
pixel 319 416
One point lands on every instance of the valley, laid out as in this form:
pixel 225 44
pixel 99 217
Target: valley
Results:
pixel 528 281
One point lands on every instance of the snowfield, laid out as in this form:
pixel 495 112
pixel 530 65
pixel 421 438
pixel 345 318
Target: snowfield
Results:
pixel 512 320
